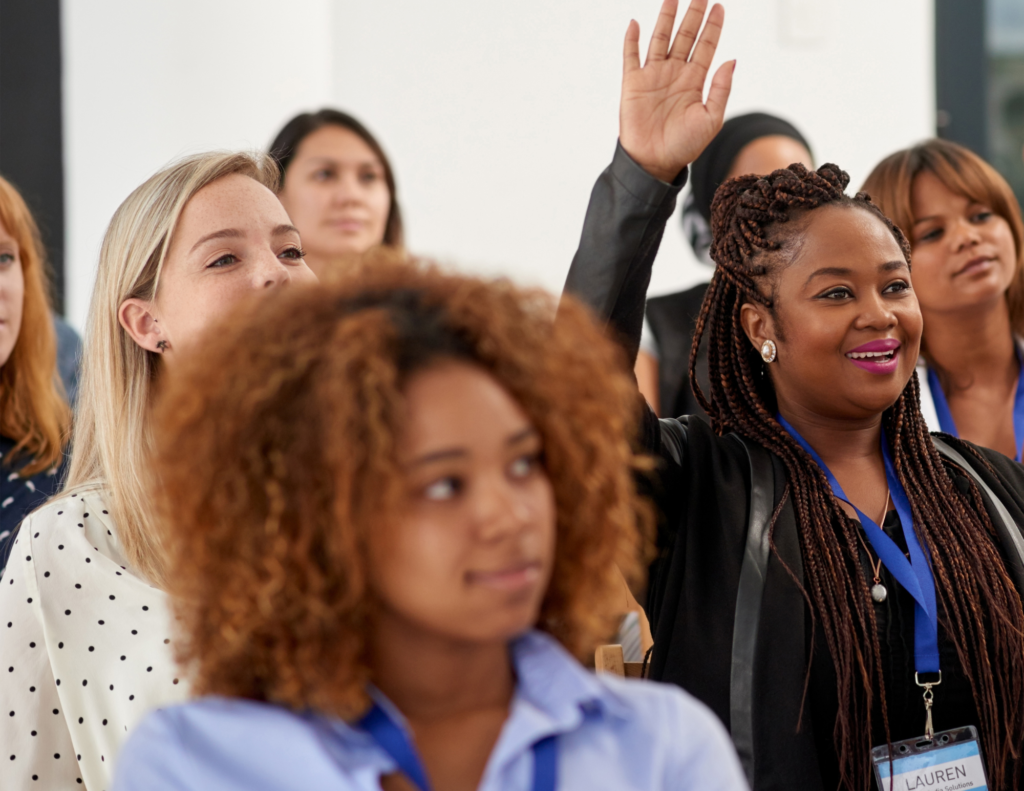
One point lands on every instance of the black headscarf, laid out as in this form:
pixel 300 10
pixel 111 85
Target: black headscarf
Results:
pixel 711 167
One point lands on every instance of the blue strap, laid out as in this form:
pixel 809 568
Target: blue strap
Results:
pixel 394 742
pixel 948 425
pixel 915 574
pixel 545 764
pixel 392 738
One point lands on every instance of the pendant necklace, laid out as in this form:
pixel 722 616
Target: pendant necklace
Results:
pixel 878 591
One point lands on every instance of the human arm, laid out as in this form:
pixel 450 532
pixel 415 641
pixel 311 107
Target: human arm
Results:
pixel 646 371
pixel 663 125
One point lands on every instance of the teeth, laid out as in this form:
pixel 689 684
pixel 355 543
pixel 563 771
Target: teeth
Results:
pixel 870 355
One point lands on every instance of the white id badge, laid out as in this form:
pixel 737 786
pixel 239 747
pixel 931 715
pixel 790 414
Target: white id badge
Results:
pixel 949 761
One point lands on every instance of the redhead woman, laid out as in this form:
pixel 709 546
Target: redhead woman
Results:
pixel 34 415
pixel 965 230
pixel 338 187
pixel 391 555
pixel 841 587
pixel 86 642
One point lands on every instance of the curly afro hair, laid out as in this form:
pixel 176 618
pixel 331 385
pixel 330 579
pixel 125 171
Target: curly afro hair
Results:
pixel 274 461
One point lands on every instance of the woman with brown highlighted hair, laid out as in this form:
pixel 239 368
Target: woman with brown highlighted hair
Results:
pixel 34 415
pixel 394 509
pixel 965 230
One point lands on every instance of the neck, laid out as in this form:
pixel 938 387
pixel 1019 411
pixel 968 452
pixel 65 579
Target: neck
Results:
pixel 976 345
pixel 837 441
pixel 430 676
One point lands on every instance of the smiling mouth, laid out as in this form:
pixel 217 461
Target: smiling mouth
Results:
pixel 878 357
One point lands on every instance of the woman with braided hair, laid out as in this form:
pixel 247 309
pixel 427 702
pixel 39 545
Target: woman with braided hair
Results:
pixel 807 625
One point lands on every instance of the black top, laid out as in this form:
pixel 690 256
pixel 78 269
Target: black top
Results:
pixel 954 704
pixel 673 319
pixel 702 490
pixel 19 496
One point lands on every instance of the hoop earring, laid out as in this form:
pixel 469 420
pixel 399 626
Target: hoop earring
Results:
pixel 163 346
pixel 769 351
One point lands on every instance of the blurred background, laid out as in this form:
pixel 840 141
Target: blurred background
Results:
pixel 497 116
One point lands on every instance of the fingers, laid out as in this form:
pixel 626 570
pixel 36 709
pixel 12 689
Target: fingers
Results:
pixel 718 93
pixel 704 52
pixel 662 35
pixel 688 29
pixel 631 48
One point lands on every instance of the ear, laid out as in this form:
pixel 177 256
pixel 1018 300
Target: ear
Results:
pixel 757 324
pixel 138 319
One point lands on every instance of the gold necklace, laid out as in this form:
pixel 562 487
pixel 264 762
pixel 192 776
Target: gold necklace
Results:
pixel 878 590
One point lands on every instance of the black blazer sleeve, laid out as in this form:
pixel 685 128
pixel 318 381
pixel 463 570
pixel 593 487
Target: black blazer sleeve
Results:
pixel 610 273
pixel 621 235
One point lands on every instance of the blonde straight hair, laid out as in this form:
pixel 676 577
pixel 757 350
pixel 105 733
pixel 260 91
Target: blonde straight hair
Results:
pixel 111 440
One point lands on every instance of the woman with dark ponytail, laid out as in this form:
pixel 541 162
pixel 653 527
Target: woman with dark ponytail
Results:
pixel 822 558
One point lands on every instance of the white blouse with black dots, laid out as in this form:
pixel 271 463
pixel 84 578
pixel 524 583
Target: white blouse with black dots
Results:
pixel 84 649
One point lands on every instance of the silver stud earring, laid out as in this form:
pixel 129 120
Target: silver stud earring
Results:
pixel 769 351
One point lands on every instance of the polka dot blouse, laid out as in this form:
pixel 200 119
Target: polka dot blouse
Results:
pixel 84 649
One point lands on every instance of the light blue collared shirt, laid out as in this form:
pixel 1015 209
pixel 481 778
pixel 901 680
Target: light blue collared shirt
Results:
pixel 612 732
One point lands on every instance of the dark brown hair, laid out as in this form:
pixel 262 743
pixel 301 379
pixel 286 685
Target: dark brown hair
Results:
pixel 287 142
pixel 963 173
pixel 275 462
pixel 755 223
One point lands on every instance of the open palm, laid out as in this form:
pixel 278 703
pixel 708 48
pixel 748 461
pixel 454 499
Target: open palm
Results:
pixel 664 122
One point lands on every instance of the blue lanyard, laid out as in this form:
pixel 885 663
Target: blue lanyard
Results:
pixel 915 575
pixel 393 740
pixel 948 425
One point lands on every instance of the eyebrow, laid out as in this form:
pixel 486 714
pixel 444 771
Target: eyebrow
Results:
pixel 840 271
pixel 373 159
pixel 458 453
pixel 235 233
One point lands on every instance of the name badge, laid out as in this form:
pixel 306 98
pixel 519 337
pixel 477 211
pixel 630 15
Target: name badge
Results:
pixel 949 761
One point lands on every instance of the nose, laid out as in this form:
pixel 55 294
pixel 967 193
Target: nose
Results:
pixel 877 314
pixel 347 188
pixel 501 509
pixel 964 234
pixel 270 271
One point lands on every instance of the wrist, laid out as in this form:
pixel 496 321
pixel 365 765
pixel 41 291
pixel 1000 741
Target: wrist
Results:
pixel 663 174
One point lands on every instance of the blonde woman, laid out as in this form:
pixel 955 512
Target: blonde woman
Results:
pixel 85 648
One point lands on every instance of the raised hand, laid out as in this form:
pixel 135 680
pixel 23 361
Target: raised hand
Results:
pixel 664 123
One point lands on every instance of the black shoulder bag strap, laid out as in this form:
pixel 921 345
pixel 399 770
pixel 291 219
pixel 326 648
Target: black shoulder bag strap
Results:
pixel 1006 528
pixel 748 603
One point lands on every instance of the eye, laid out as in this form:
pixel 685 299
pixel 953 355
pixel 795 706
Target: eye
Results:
pixel 443 489
pixel 6 258
pixel 369 176
pixel 896 287
pixel 224 261
pixel 323 174
pixel 930 236
pixel 294 253
pixel 981 216
pixel 525 465
pixel 837 293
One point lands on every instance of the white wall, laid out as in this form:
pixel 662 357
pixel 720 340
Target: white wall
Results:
pixel 498 116
pixel 147 82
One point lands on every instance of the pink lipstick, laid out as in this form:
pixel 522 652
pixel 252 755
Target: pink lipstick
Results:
pixel 876 357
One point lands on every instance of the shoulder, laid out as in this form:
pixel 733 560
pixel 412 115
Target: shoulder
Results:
pixel 232 743
pixel 75 502
pixel 685 738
